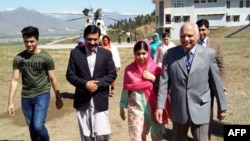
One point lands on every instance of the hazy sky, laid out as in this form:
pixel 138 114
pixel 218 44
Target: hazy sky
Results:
pixel 120 6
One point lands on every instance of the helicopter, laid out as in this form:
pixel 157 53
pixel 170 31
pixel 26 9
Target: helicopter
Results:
pixel 94 18
pixel 91 17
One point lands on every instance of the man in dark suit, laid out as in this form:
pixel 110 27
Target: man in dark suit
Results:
pixel 191 79
pixel 91 70
pixel 206 41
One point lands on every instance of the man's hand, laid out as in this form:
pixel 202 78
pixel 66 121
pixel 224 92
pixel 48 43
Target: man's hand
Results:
pixel 92 85
pixel 11 110
pixel 225 90
pixel 221 115
pixel 59 102
pixel 158 115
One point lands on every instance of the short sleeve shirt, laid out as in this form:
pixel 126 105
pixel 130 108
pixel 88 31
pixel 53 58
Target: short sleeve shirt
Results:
pixel 34 72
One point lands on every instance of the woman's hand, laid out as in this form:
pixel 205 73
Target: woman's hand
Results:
pixel 149 76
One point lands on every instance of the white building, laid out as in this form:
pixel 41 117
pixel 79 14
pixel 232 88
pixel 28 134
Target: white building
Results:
pixel 170 14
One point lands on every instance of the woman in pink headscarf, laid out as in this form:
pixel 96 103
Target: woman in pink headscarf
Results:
pixel 139 95
pixel 106 43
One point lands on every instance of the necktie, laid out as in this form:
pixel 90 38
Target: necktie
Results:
pixel 201 42
pixel 189 59
pixel 189 54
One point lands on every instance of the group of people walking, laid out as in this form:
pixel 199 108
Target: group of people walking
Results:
pixel 173 83
pixel 164 83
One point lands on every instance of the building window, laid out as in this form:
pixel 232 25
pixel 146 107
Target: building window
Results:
pixel 168 30
pixel 168 19
pixel 177 19
pixel 248 3
pixel 204 1
pixel 236 18
pixel 186 18
pixel 228 18
pixel 178 3
pixel 228 4
pixel 241 4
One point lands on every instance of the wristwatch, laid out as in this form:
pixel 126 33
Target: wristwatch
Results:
pixel 58 97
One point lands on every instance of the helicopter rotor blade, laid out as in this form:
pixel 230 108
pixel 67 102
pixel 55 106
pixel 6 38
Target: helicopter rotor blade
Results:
pixel 111 18
pixel 75 19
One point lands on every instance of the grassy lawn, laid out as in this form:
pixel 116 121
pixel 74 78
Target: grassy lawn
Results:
pixel 236 55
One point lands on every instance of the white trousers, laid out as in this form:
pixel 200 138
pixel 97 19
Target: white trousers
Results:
pixel 93 123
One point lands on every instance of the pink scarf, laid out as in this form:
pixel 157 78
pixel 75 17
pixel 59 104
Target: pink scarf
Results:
pixel 106 45
pixel 134 81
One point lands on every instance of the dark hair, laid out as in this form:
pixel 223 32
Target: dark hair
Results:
pixel 141 45
pixel 165 34
pixel 30 31
pixel 202 22
pixel 91 29
pixel 106 36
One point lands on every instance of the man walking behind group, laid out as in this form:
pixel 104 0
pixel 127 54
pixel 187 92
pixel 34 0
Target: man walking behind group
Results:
pixel 206 41
pixel 91 70
pixel 36 68
pixel 191 72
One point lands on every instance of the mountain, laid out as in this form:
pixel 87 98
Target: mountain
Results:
pixel 12 22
